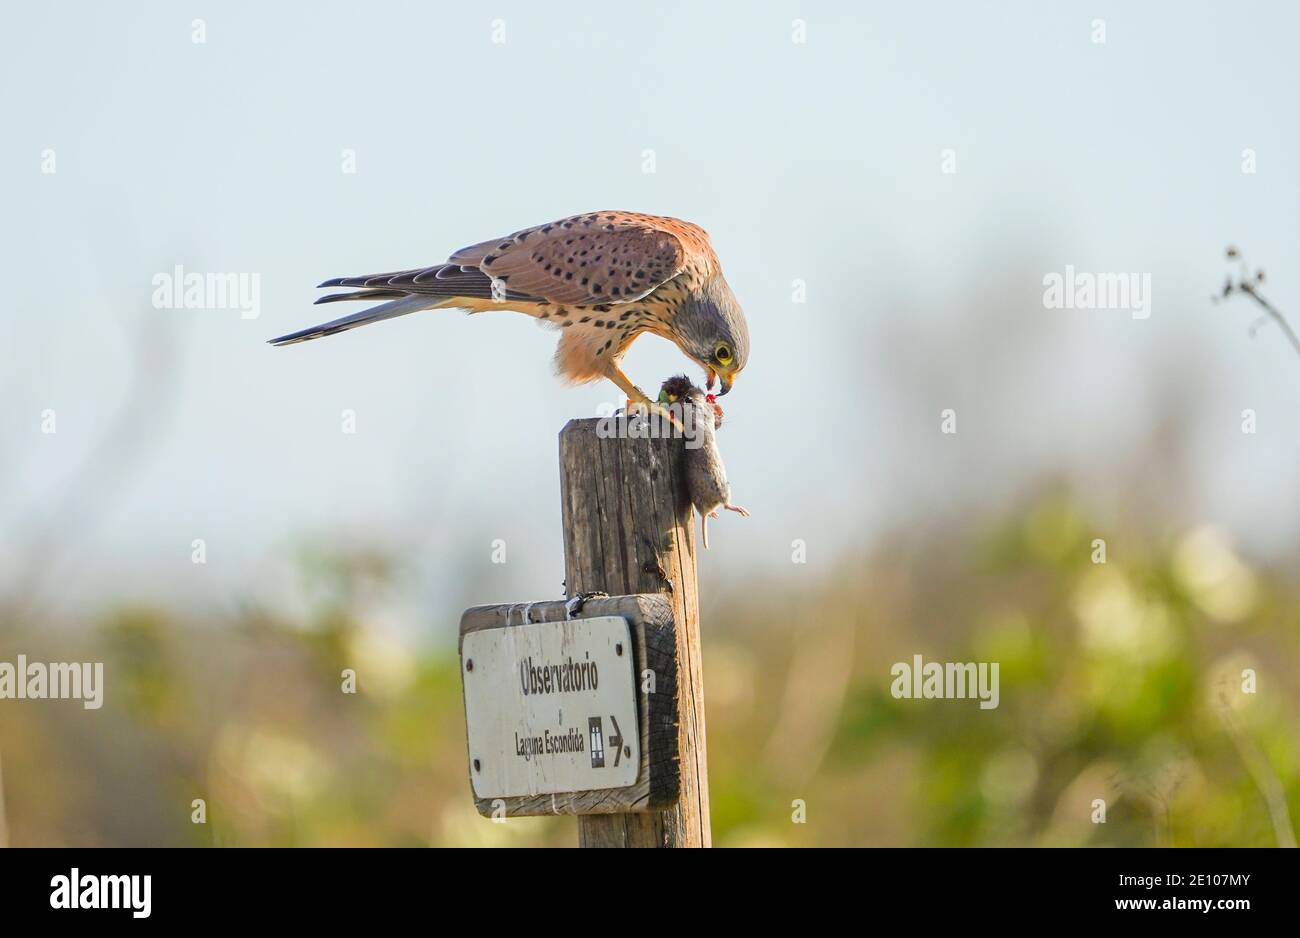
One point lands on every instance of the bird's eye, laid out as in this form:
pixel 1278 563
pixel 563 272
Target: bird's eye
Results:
pixel 723 354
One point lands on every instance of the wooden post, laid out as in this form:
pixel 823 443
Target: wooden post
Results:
pixel 628 529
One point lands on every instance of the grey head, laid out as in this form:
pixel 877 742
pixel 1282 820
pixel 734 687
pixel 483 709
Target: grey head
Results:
pixel 710 327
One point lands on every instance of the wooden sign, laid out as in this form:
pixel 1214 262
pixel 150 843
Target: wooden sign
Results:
pixel 543 703
pixel 571 715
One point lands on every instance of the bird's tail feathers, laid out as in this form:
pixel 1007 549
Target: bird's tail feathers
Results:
pixel 362 295
pixel 390 310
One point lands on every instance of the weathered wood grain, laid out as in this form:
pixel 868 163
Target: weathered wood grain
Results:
pixel 654 639
pixel 627 530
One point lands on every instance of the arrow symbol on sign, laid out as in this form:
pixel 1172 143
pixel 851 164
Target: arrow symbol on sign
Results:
pixel 616 740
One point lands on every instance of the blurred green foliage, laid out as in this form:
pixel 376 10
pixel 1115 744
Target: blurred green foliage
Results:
pixel 1120 681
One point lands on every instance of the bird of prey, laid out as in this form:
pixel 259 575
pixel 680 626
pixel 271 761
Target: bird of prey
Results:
pixel 601 279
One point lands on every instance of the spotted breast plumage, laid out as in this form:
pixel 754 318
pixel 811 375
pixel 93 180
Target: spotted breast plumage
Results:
pixel 601 278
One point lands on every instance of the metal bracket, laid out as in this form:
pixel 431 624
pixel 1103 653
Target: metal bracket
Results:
pixel 574 606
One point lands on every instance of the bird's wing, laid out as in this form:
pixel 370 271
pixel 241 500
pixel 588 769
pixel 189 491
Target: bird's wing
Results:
pixel 450 279
pixel 600 257
pixel 440 286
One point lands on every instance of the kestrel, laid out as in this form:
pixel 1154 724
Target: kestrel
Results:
pixel 602 279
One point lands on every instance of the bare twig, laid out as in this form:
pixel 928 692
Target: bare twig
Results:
pixel 1273 313
pixel 1249 284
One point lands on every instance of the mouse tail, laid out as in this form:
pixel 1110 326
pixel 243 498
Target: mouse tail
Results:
pixel 704 528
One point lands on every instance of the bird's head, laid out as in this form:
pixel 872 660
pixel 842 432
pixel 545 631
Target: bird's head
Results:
pixel 710 328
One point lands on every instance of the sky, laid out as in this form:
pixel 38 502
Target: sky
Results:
pixel 887 186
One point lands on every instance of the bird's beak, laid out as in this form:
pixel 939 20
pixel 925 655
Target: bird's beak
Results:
pixel 725 381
